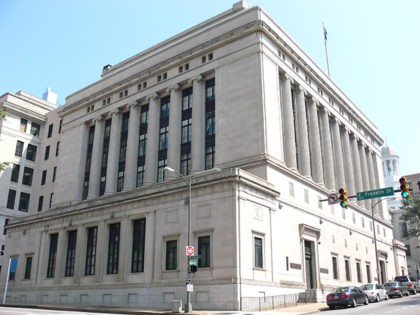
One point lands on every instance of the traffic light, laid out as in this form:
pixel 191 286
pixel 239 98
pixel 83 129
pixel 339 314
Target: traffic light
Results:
pixel 344 198
pixel 404 188
pixel 193 266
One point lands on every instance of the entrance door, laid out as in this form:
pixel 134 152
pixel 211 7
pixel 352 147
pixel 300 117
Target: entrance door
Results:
pixel 309 265
pixel 383 271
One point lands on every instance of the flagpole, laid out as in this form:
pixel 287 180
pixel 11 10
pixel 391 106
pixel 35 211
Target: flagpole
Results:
pixel 7 281
pixel 326 50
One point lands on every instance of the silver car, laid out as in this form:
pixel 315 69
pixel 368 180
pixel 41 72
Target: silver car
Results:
pixel 375 292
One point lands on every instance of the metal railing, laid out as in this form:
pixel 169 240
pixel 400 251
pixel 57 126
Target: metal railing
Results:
pixel 271 302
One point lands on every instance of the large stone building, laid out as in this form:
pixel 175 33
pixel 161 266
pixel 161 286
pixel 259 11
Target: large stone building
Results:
pixel 261 135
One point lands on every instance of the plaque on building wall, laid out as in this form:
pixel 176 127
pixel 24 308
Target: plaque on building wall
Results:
pixel 323 270
pixel 295 266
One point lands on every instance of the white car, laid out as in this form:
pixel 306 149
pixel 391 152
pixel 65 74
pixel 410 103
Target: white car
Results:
pixel 374 291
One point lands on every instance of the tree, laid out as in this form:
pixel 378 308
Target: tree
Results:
pixel 411 216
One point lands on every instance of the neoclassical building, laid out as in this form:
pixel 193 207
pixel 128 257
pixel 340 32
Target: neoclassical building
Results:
pixel 234 109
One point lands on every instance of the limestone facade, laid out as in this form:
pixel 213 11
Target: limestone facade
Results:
pixel 262 135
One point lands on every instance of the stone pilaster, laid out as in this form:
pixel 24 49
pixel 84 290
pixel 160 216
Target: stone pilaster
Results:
pixel 304 165
pixel 95 165
pixel 132 148
pixel 338 154
pixel 114 150
pixel 175 116
pixel 152 141
pixel 198 126
pixel 327 154
pixel 315 142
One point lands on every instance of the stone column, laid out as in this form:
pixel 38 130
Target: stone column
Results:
pixel 95 164
pixel 101 251
pixel 288 123
pixel 357 171
pixel 338 154
pixel 365 174
pixel 124 264
pixel 371 177
pixel 327 154
pixel 198 126
pixel 152 141
pixel 114 150
pixel 348 162
pixel 132 148
pixel 315 142
pixel 61 255
pixel 175 120
pixel 304 165
pixel 79 269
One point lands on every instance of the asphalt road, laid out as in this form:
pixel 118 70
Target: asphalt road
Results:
pixel 409 305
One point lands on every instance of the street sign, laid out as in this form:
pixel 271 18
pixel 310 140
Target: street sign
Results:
pixel 190 287
pixel 197 257
pixel 332 199
pixel 189 250
pixel 376 193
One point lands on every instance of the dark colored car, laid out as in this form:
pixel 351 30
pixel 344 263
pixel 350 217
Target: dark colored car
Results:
pixel 344 296
pixel 409 282
pixel 396 289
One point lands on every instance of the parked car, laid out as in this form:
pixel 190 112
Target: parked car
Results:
pixel 395 288
pixel 408 281
pixel 374 291
pixel 344 296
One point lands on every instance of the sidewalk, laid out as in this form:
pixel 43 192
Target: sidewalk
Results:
pixel 304 308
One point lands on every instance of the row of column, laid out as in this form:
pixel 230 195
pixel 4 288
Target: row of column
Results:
pixel 152 146
pixel 318 145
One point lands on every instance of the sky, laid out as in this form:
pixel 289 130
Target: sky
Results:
pixel 373 48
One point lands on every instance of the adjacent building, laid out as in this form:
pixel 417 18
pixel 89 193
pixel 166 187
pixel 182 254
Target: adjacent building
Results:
pixel 392 174
pixel 234 109
pixel 22 137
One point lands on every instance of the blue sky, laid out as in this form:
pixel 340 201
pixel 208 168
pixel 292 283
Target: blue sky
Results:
pixel 373 48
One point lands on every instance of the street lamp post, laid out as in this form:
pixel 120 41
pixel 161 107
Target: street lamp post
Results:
pixel 188 305
pixel 378 271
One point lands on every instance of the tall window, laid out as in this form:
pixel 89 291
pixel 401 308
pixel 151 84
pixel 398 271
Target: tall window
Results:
pixel 335 267
pixel 27 176
pixel 19 148
pixel 210 123
pixel 141 156
pixel 71 253
pixel 44 177
pixel 105 150
pixel 347 269
pixel 258 252
pixel 137 260
pixel 24 202
pixel 358 272
pixel 35 129
pixel 23 125
pixel 15 173
pixel 368 274
pixel 186 131
pixel 31 152
pixel 113 248
pixel 40 203
pixel 11 197
pixel 171 255
pixel 52 255
pixel 47 152
pixel 28 267
pixel 54 173
pixel 57 148
pixel 204 251
pixel 88 162
pixel 92 235
pixel 163 137
pixel 123 150
pixel 50 130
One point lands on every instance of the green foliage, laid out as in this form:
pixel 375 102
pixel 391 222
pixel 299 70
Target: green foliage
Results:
pixel 411 215
pixel 3 114
pixel 3 165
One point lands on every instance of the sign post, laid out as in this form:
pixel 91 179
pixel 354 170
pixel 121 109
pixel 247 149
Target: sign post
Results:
pixel 376 193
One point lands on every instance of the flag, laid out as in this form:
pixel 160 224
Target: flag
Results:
pixel 325 31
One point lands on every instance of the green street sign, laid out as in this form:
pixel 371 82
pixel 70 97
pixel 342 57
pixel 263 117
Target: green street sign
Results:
pixel 376 193
pixel 196 257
